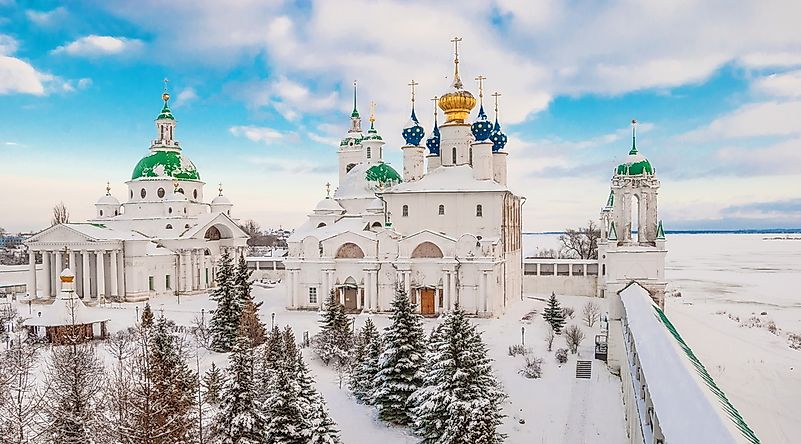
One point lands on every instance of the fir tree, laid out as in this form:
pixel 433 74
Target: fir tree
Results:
pixel 224 323
pixel 250 325
pixel 365 362
pixel 173 385
pixel 554 315
pixel 73 402
pixel 147 316
pixel 400 363
pixel 335 339
pixel 323 428
pixel 212 384
pixel 241 418
pixel 286 422
pixel 460 400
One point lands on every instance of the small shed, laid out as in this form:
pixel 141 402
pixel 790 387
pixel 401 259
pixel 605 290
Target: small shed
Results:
pixel 67 319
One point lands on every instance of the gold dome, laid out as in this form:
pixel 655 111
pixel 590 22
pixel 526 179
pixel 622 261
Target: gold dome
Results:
pixel 457 105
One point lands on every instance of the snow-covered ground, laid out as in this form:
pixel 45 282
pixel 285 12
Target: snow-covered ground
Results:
pixel 723 278
pixel 557 408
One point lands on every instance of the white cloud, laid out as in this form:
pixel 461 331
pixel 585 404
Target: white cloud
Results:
pixel 787 84
pixel 773 118
pixel 262 134
pixel 18 76
pixel 84 83
pixel 184 97
pixel 99 45
pixel 323 140
pixel 8 45
pixel 46 18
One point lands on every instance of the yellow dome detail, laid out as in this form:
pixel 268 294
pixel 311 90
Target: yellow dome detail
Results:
pixel 457 105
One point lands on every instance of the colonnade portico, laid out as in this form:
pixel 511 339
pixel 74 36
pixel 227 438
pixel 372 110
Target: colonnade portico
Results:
pixel 99 270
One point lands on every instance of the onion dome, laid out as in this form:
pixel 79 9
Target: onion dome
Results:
pixel 165 164
pixel 433 142
pixel 165 111
pixel 413 133
pixel 457 104
pixel 372 133
pixel 481 128
pixel 382 175
pixel 635 164
pixel 497 137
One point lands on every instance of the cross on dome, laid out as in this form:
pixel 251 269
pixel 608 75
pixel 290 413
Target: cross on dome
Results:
pixel 457 82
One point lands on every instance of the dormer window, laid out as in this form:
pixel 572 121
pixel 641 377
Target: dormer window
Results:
pixel 441 210
pixel 169 226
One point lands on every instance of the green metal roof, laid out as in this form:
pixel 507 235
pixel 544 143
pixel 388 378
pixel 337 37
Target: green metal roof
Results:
pixel 634 167
pixel 660 232
pixel 165 113
pixel 382 173
pixel 611 201
pixel 166 164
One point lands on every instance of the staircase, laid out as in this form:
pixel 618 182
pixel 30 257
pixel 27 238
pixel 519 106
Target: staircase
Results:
pixel 583 369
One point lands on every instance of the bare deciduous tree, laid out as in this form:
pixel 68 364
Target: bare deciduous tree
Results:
pixel 60 214
pixel 549 336
pixel 573 338
pixel 590 313
pixel 20 399
pixel 581 243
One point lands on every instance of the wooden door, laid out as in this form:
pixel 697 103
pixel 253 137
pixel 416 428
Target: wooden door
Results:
pixel 350 298
pixel 427 301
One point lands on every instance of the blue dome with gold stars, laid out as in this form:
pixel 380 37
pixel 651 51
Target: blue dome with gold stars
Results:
pixel 433 142
pixel 497 137
pixel 413 133
pixel 481 128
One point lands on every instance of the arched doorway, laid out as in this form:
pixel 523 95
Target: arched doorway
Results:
pixel 428 297
pixel 350 294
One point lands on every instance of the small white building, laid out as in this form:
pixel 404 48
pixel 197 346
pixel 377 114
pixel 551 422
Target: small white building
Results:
pixel 164 240
pixel 67 319
pixel 448 230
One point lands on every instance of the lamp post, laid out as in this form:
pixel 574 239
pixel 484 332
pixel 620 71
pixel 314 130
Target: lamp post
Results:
pixel 272 321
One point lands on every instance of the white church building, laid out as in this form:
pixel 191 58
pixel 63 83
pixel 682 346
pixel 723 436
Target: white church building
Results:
pixel 164 240
pixel 447 230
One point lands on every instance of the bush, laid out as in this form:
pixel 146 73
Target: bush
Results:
pixel 532 369
pixel 561 355
pixel 518 349
pixel 590 313
pixel 573 338
pixel 795 341
pixel 771 326
pixel 568 312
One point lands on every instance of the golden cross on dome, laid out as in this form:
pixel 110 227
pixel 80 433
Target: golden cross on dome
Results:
pixel 413 84
pixel 457 82
pixel 220 188
pixel 327 190
pixel 481 79
pixel 372 111
pixel 175 185
pixel 496 95
pixel 108 188
pixel 165 95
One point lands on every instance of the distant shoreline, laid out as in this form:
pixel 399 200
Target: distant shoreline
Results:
pixel 765 231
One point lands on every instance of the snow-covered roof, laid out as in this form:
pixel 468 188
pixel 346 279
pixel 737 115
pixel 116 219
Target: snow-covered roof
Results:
pixel 687 405
pixel 67 309
pixel 154 249
pixel 328 205
pixel 93 231
pixel 447 179
pixel 353 224
pixel 204 221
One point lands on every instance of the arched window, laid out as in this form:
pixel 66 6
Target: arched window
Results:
pixel 169 226
pixel 186 226
pixel 181 190
pixel 101 213
pixel 229 212
pixel 441 210
pixel 131 194
pixel 160 192
pixel 471 155
pixel 405 211
pixel 479 210
pixel 349 251
pixel 169 210
pixel 453 152
pixel 184 210
pixel 143 193
pixel 427 250
pixel 115 213
pixel 194 193
pixel 321 225
pixel 349 167
pixel 369 152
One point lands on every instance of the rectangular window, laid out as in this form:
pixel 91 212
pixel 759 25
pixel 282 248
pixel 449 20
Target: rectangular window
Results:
pixel 312 295
pixel 167 283
pixel 151 282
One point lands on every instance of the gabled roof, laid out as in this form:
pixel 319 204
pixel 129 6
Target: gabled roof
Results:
pixel 205 221
pixel 89 231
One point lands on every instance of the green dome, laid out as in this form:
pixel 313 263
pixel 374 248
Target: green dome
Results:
pixel 382 173
pixel 165 113
pixel 635 165
pixel 166 164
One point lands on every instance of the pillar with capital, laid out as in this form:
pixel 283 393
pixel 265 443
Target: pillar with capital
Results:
pixel 47 284
pixel 59 267
pixel 114 275
pixel 87 286
pixel 101 275
pixel 120 274
pixel 31 287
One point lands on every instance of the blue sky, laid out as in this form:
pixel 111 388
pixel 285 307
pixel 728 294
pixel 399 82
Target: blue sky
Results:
pixel 262 91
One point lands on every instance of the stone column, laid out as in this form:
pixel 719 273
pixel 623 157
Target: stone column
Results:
pixel 482 289
pixel 407 283
pixel 87 285
pixel 446 290
pixel 59 265
pixel 31 286
pixel 436 299
pixel 101 275
pixel 295 288
pixel 485 296
pixel 368 289
pixel 121 274
pixel 191 268
pixel 642 219
pixel 454 295
pixel 72 264
pixel 289 288
pixel 114 275
pixel 323 287
pixel 48 277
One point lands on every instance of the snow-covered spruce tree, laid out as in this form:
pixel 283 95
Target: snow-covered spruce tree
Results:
pixel 335 339
pixel 554 315
pixel 173 385
pixel 242 282
pixel 73 401
pixel 460 400
pixel 224 323
pixel 147 316
pixel 399 364
pixel 285 414
pixel 241 418
pixel 20 400
pixel 212 384
pixel 365 362
pixel 250 325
